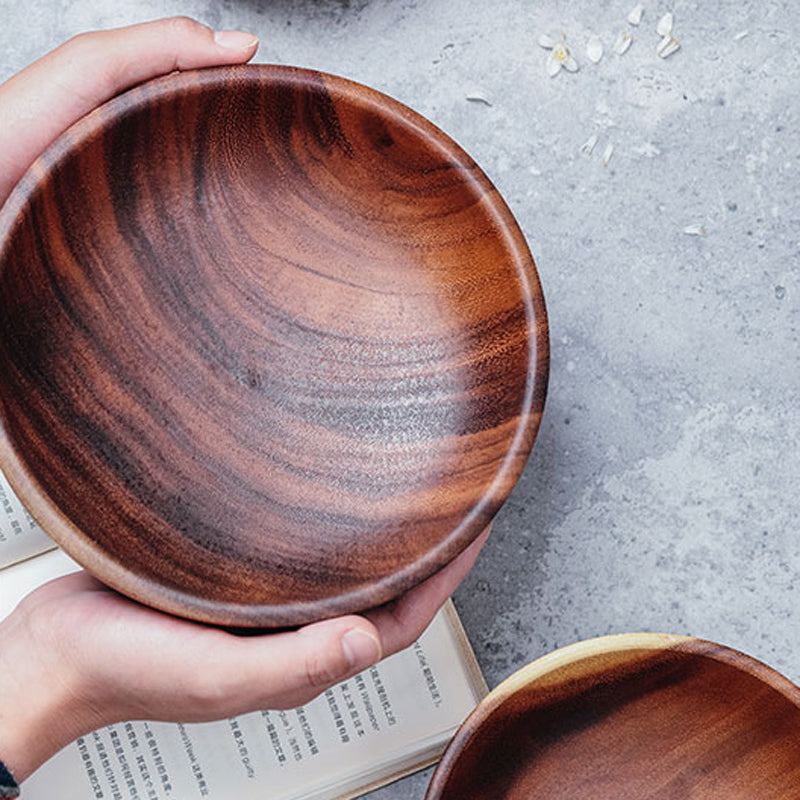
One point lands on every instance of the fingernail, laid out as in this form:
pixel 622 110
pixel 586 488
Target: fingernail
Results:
pixel 361 648
pixel 235 40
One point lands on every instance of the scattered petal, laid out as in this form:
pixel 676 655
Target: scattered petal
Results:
pixel 607 154
pixel 667 46
pixel 548 41
pixel 739 36
pixel 553 66
pixel 623 41
pixel 695 230
pixel 664 27
pixel 478 96
pixel 635 17
pixel 570 64
pixel 594 49
pixel 560 56
pixel 588 145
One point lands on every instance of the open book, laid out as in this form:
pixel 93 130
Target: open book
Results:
pixel 386 722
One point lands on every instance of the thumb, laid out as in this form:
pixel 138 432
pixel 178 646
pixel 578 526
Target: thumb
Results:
pixel 286 670
pixel 49 95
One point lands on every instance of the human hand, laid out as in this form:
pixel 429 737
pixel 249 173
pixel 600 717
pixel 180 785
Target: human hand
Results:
pixel 45 98
pixel 74 655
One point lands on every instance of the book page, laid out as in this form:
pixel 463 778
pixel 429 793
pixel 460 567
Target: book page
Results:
pixel 20 535
pixel 387 720
pixel 20 579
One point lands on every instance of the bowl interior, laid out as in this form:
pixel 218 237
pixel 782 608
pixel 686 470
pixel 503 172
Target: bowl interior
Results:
pixel 643 716
pixel 271 345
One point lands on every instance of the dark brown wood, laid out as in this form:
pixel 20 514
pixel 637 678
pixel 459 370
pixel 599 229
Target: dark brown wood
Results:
pixel 272 347
pixel 650 720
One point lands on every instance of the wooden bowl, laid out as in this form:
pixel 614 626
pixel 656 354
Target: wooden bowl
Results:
pixel 630 717
pixel 272 346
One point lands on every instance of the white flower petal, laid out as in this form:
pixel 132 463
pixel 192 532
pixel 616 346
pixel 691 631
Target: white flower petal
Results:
pixel 594 49
pixel 561 51
pixel 739 36
pixel 553 66
pixel 667 46
pixel 635 17
pixel 623 41
pixel 560 56
pixel 664 27
pixel 588 145
pixel 548 41
pixel 607 154
pixel 695 230
pixel 478 96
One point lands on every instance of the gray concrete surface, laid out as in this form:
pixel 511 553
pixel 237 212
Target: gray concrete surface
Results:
pixel 663 490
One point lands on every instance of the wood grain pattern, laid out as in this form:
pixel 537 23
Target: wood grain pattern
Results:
pixel 631 718
pixel 272 347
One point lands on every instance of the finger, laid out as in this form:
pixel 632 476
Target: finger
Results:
pixel 283 670
pixel 302 664
pixel 402 622
pixel 49 95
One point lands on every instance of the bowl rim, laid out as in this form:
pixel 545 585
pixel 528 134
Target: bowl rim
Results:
pixel 549 664
pixel 101 563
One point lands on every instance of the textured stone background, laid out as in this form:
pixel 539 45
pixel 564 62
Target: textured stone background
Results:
pixel 663 490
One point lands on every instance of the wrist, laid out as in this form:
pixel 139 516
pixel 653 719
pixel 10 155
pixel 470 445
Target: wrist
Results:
pixel 38 710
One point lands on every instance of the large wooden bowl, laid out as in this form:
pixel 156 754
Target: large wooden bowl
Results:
pixel 630 717
pixel 272 346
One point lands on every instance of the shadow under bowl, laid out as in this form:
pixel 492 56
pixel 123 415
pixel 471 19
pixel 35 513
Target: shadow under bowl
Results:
pixel 272 346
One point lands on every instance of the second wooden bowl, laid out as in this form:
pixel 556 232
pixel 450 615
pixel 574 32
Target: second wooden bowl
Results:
pixel 272 346
pixel 630 717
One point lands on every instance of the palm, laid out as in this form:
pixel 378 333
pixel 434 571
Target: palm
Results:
pixel 143 663
pixel 130 661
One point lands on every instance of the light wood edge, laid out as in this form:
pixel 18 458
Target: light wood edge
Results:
pixel 579 651
pixel 549 665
